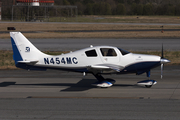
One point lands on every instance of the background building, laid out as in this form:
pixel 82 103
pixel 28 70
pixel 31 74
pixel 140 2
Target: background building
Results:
pixel 35 2
pixel 37 11
pixel 42 11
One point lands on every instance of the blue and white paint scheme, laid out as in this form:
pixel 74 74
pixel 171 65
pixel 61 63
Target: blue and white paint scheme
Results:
pixel 97 60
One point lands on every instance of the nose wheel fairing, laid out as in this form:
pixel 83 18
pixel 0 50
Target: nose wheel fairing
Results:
pixel 147 83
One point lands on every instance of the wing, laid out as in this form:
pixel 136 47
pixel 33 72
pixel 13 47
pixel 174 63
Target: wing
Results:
pixel 105 68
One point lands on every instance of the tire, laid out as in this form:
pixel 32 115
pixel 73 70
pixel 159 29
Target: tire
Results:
pixel 148 86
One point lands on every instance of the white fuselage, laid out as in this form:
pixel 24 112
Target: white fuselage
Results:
pixel 80 60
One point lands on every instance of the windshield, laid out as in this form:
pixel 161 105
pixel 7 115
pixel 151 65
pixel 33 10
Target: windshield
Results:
pixel 123 52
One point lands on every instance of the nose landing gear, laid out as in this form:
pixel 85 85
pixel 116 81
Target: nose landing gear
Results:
pixel 147 83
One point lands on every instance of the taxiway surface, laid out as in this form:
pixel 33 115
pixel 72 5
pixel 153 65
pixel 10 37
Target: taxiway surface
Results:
pixel 60 84
pixel 76 44
pixel 54 95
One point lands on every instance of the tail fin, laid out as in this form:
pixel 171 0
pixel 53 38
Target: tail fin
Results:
pixel 24 51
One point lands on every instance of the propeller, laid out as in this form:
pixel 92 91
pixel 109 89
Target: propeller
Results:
pixel 162 52
pixel 162 70
pixel 162 57
pixel 163 60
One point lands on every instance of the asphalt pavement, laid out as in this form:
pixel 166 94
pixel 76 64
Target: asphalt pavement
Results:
pixel 53 95
pixel 76 44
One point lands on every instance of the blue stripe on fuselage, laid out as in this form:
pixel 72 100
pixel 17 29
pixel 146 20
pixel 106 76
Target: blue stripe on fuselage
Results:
pixel 16 54
pixel 140 67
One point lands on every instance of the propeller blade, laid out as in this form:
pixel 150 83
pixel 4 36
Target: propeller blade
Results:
pixel 163 61
pixel 162 70
pixel 162 52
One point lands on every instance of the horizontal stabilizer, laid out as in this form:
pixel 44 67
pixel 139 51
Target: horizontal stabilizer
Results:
pixel 26 62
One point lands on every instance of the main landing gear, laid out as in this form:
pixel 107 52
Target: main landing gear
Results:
pixel 102 82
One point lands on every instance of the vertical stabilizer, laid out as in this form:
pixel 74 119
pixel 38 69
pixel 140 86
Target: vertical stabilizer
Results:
pixel 23 50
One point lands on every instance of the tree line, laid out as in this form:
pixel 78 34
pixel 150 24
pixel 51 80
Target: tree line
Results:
pixel 124 7
pixel 120 7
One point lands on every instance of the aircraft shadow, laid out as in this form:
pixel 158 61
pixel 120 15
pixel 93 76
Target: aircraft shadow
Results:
pixel 82 85
pixel 6 84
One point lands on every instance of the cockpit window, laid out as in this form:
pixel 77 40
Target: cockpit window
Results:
pixel 123 52
pixel 91 53
pixel 108 52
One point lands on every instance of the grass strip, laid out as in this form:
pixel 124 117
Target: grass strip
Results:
pixel 138 35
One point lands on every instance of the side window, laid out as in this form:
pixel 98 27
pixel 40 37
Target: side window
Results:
pixel 108 52
pixel 91 53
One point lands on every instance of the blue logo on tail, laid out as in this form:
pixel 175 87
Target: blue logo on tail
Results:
pixel 27 49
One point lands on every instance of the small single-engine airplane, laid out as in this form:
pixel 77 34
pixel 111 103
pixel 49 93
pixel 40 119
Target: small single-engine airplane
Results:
pixel 96 60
